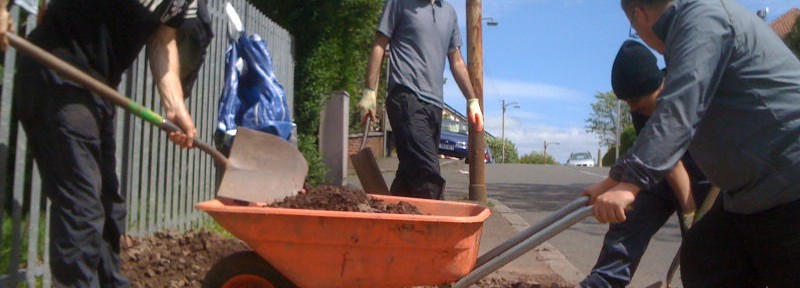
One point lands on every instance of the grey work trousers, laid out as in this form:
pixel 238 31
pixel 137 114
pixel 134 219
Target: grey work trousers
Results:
pixel 71 134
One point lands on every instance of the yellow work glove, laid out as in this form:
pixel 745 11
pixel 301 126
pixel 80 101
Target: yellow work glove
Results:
pixel 368 103
pixel 688 219
pixel 474 113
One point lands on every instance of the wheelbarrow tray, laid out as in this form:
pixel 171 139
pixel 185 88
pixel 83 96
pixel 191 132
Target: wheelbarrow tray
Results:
pixel 315 248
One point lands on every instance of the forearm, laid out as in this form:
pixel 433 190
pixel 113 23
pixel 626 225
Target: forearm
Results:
pixel 461 75
pixel 375 61
pixel 681 186
pixel 165 67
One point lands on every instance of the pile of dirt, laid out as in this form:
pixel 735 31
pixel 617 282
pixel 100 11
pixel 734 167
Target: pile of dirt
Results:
pixel 174 259
pixel 334 198
pixel 530 282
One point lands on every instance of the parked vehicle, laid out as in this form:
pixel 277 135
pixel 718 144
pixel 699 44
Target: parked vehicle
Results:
pixel 453 141
pixel 454 138
pixel 580 159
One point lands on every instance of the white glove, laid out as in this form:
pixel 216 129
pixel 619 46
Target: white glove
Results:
pixel 368 103
pixel 475 114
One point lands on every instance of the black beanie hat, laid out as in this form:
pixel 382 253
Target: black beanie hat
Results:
pixel 635 72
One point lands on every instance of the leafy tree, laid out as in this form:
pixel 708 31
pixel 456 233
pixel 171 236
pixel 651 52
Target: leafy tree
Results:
pixel 627 139
pixel 496 146
pixel 793 38
pixel 331 41
pixel 537 158
pixel 603 119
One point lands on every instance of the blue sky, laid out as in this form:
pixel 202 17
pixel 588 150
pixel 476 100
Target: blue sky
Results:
pixel 552 57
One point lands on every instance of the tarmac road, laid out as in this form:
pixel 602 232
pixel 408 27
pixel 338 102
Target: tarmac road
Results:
pixel 534 191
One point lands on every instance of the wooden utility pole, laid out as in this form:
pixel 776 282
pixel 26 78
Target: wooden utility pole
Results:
pixel 477 146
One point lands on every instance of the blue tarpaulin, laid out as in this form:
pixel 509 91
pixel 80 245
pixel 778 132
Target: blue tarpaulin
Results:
pixel 252 97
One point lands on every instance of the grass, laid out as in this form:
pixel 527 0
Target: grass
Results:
pixel 7 239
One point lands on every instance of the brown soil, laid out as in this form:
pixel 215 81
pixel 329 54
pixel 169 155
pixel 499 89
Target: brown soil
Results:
pixel 335 198
pixel 174 259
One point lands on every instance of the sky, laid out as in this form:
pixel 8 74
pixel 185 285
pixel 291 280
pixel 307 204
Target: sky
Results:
pixel 552 57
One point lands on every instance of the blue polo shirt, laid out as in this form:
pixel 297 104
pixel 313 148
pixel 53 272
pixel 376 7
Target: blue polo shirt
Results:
pixel 421 34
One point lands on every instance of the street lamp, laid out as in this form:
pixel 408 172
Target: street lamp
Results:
pixel 545 149
pixel 503 129
pixel 490 21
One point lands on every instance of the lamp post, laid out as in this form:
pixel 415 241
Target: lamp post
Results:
pixel 545 149
pixel 477 175
pixel 503 127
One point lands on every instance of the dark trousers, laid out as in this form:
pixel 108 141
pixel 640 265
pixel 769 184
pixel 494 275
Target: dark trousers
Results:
pixel 728 249
pixel 72 138
pixel 625 243
pixel 416 126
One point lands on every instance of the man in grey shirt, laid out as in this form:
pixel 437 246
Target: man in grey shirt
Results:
pixel 732 98
pixel 421 34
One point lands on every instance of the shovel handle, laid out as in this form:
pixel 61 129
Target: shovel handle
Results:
pixel 81 78
pixel 366 133
pixel 218 157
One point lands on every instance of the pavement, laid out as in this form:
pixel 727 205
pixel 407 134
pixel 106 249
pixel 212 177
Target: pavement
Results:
pixel 543 264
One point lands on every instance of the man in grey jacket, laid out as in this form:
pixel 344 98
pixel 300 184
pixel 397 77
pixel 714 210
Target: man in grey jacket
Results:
pixel 732 98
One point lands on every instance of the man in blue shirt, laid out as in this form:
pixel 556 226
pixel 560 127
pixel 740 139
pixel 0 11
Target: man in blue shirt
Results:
pixel 732 98
pixel 421 34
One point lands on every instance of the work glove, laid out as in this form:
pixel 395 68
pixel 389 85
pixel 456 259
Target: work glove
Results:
pixel 688 219
pixel 368 103
pixel 475 115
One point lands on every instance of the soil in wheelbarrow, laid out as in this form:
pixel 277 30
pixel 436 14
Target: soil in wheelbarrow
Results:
pixel 334 198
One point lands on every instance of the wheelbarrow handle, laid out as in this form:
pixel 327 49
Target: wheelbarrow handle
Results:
pixel 523 247
pixel 101 89
pixel 531 230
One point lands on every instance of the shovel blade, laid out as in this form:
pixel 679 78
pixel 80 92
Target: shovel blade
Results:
pixel 262 168
pixel 368 172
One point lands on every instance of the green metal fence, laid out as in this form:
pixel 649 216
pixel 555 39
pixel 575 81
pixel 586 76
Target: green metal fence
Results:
pixel 162 181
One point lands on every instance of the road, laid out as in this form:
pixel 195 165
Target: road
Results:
pixel 534 191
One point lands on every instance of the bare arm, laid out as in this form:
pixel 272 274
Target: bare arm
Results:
pixel 6 24
pixel 375 60
pixel 164 64
pixel 369 101
pixel 460 73
pixel 678 179
pixel 459 70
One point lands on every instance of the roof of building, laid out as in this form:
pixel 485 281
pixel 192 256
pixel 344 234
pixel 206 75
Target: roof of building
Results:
pixel 783 25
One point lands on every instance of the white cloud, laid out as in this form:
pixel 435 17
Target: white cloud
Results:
pixel 514 90
pixel 528 137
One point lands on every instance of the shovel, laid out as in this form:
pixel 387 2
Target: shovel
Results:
pixel 262 167
pixel 367 170
pixel 673 267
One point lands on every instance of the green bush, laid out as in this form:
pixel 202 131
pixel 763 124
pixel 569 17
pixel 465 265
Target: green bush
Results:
pixel 496 146
pixel 537 158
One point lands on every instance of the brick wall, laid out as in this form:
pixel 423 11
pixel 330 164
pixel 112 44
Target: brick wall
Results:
pixel 374 142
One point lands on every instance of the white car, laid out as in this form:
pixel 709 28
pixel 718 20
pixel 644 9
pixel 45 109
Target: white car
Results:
pixel 581 159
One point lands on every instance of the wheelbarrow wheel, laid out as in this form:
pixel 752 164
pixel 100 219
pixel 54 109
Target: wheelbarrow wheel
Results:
pixel 244 269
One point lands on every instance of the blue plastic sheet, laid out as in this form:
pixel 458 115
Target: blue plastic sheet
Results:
pixel 252 97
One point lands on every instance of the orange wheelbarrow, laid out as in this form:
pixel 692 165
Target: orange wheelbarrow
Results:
pixel 312 248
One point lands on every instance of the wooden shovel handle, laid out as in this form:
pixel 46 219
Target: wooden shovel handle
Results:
pixel 81 78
